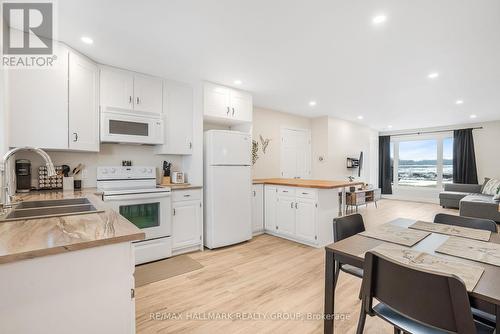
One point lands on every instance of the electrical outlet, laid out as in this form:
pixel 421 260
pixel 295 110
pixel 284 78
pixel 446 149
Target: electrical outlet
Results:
pixel 84 173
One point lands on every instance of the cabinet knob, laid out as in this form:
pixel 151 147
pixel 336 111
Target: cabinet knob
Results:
pixel 227 111
pixel 75 136
pixel 190 145
pixel 296 205
pixel 130 99
pixel 233 111
pixel 138 101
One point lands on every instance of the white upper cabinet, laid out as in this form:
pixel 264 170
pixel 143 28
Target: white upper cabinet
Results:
pixel 123 90
pixel 226 105
pixel 83 106
pixel 37 104
pixel 147 94
pixel 117 88
pixel 55 108
pixel 241 105
pixel 177 119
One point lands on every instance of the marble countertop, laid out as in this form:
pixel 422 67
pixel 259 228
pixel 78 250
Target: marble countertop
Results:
pixel 26 239
pixel 320 184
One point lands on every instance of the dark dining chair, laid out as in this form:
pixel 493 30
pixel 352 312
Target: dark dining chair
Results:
pixel 481 224
pixel 478 223
pixel 416 301
pixel 345 227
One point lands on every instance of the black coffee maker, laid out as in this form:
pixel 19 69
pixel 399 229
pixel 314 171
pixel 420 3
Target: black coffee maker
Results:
pixel 23 175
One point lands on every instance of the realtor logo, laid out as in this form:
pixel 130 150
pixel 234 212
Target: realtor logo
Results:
pixel 27 28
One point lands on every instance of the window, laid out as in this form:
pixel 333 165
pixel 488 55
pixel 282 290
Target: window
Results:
pixel 426 162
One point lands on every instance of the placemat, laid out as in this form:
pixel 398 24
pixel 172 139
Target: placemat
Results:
pixel 480 251
pixel 470 274
pixel 464 232
pixel 395 234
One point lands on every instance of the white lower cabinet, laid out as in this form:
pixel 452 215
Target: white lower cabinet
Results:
pixel 257 208
pixel 300 214
pixel 186 221
pixel 305 219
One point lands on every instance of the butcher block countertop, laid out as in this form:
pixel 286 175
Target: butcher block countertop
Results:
pixel 30 238
pixel 320 184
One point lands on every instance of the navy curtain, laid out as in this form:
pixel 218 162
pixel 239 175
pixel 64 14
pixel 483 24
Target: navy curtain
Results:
pixel 464 157
pixel 384 164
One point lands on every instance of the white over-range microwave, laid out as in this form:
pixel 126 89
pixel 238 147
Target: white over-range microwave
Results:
pixel 123 127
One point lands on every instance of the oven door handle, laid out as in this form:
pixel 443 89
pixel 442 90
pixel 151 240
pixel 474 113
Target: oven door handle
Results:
pixel 136 197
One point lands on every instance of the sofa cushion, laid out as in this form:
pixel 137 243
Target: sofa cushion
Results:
pixel 453 195
pixel 491 188
pixel 479 198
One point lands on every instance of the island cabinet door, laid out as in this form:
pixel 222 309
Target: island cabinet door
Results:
pixel 257 208
pixel 270 208
pixel 306 225
pixel 286 216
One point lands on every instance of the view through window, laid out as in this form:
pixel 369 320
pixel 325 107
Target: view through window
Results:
pixel 423 162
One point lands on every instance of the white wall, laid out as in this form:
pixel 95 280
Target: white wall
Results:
pixel 268 123
pixel 335 140
pixel 110 155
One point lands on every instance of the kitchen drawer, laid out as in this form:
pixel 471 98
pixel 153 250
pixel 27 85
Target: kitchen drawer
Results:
pixel 286 191
pixel 151 250
pixel 306 193
pixel 186 195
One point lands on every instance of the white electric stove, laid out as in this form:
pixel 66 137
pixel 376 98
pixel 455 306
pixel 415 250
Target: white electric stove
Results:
pixel 132 192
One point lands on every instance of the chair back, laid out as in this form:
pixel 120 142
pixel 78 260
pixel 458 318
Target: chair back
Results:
pixel 478 223
pixel 434 299
pixel 347 226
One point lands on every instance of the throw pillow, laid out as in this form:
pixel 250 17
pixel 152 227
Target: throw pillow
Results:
pixel 486 179
pixel 497 196
pixel 491 187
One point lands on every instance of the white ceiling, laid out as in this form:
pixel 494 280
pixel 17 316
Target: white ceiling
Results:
pixel 288 52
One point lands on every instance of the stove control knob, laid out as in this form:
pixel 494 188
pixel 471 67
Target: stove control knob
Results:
pixel 104 171
pixel 150 170
pixel 113 170
pixel 144 170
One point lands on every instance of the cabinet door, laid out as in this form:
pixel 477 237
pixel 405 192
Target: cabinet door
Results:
pixel 177 119
pixel 241 106
pixel 306 220
pixel 148 94
pixel 83 104
pixel 270 208
pixel 257 208
pixel 116 89
pixel 216 101
pixel 186 224
pixel 286 216
pixel 37 104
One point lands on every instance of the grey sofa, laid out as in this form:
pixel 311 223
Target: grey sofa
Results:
pixel 471 202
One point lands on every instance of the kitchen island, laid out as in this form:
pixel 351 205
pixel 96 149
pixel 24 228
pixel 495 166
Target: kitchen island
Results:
pixel 69 273
pixel 298 209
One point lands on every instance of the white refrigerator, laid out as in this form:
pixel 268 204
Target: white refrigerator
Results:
pixel 227 188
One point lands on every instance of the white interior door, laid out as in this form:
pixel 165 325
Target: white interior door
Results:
pixel 295 153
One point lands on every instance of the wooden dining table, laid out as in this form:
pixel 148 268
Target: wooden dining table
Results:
pixel 485 296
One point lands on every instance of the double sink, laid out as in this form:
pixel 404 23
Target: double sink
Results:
pixel 50 208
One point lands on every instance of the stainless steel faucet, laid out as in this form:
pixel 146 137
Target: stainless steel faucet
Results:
pixel 5 196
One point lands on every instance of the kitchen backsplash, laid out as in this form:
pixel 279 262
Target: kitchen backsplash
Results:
pixel 109 155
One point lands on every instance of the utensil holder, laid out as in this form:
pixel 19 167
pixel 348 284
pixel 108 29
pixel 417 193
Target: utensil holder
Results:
pixel 68 183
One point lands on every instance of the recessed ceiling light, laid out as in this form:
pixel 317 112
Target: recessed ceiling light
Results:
pixel 379 19
pixel 312 103
pixel 238 82
pixel 459 102
pixel 473 116
pixel 360 117
pixel 87 40
pixel 433 75
pixel 389 126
